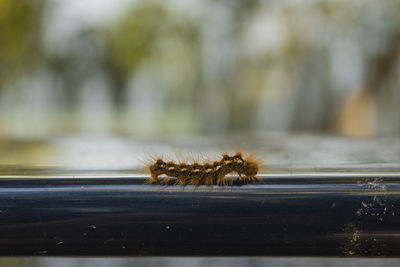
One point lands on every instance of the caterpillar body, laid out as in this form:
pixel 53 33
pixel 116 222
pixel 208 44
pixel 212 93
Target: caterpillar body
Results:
pixel 209 173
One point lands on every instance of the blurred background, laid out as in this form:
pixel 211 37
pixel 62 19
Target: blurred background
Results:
pixel 157 68
pixel 151 68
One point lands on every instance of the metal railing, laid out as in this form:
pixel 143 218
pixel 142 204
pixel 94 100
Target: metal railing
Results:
pixel 291 216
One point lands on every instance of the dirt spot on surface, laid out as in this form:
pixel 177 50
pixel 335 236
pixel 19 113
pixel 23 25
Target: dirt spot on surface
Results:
pixel 352 246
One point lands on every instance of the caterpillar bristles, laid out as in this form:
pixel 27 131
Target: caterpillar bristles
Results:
pixel 208 173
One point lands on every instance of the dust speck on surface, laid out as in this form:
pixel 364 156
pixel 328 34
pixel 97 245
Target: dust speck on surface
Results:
pixel 353 244
pixel 375 208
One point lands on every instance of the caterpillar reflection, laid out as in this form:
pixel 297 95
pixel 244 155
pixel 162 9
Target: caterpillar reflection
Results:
pixel 208 173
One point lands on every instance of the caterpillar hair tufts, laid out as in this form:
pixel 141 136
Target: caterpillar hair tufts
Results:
pixel 207 173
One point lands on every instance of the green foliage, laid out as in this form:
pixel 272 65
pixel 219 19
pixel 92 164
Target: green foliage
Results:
pixel 140 33
pixel 19 34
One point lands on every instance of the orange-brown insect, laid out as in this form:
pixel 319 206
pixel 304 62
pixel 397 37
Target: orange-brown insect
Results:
pixel 205 174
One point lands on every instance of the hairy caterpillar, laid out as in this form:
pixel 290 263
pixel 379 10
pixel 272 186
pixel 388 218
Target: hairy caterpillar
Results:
pixel 209 173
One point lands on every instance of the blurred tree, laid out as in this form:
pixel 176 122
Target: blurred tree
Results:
pixel 140 34
pixel 20 25
pixel 373 108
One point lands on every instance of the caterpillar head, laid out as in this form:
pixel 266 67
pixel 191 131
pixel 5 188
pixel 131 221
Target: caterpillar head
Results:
pixel 158 167
pixel 250 168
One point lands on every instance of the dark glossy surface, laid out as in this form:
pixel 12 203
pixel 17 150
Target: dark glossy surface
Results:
pixel 279 216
